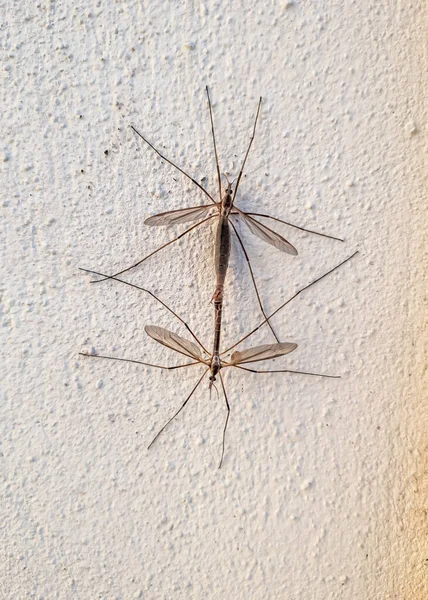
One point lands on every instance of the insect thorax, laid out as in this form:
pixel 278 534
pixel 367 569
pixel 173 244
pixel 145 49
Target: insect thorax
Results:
pixel 227 203
pixel 215 366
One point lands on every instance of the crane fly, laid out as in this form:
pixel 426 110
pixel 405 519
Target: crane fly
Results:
pixel 215 361
pixel 223 209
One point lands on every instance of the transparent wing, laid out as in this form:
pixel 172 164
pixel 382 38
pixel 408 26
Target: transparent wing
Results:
pixel 173 341
pixel 182 215
pixel 268 235
pixel 262 353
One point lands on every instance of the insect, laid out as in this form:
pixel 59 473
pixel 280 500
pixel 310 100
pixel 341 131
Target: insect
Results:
pixel 224 210
pixel 214 361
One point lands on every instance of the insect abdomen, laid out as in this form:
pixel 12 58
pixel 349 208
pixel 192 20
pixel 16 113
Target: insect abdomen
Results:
pixel 222 250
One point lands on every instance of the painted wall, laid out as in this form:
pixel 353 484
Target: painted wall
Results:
pixel 323 491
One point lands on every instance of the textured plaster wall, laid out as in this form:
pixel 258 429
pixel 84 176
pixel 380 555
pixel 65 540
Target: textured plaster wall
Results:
pixel 323 492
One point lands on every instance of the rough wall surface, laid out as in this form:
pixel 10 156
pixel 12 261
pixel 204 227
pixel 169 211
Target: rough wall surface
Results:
pixel 323 489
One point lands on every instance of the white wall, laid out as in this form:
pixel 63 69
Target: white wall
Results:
pixel 323 490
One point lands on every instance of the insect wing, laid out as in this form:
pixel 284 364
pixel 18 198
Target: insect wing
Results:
pixel 268 235
pixel 262 352
pixel 182 215
pixel 173 341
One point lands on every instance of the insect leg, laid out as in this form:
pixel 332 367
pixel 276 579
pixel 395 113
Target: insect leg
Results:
pixel 289 371
pixel 137 287
pixel 248 151
pixel 215 145
pixel 174 165
pixel 138 362
pixel 289 300
pixel 155 251
pixel 227 419
pixel 252 277
pixel 179 410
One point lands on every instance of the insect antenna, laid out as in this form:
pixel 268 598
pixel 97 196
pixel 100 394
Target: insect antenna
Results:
pixel 213 385
pixel 227 179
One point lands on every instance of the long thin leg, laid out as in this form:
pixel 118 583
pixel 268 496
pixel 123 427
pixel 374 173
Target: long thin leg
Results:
pixel 137 287
pixel 289 371
pixel 215 145
pixel 155 251
pixel 252 277
pixel 248 150
pixel 178 411
pixel 289 300
pixel 227 419
pixel 331 237
pixel 138 362
pixel 174 165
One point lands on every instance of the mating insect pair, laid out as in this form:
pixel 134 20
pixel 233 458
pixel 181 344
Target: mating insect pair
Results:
pixel 225 209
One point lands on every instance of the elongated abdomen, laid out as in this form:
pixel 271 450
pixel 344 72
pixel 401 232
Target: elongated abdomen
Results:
pixel 222 253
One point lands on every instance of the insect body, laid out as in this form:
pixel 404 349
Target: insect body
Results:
pixel 215 361
pixel 226 212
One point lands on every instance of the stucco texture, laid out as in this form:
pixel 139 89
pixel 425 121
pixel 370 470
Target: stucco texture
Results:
pixel 323 489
